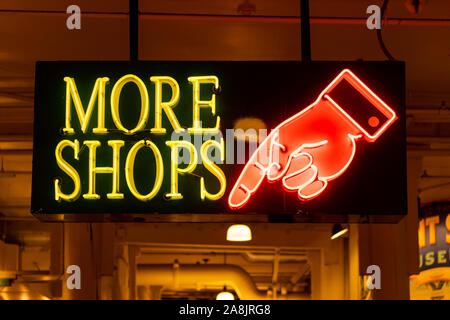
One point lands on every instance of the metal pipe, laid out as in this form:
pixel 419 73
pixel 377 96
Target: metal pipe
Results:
pixel 293 19
pixel 190 275
pixel 208 249
pixel 276 268
pixel 38 276
pixel 427 140
pixel 434 187
pixel 422 152
pixel 251 257
pixel 303 270
pixel 18 97
pixel 429 111
pixel 236 18
pixel 13 173
pixel 16 152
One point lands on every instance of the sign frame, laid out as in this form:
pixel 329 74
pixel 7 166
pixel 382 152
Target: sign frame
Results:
pixel 299 215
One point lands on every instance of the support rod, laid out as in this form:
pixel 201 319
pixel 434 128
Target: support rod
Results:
pixel 305 30
pixel 134 29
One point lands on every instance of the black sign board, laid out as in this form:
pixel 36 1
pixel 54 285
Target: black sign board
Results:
pixel 169 141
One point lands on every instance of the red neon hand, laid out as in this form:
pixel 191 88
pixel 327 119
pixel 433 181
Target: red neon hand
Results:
pixel 317 144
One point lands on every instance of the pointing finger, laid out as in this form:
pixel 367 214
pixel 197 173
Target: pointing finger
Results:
pixel 299 163
pixel 299 180
pixel 251 177
pixel 312 190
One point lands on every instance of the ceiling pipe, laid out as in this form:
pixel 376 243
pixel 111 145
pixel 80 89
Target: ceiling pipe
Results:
pixel 292 19
pixel 190 275
pixel 431 110
pixel 38 276
pixel 251 257
pixel 237 18
pixel 212 249
pixel 428 152
pixel 438 186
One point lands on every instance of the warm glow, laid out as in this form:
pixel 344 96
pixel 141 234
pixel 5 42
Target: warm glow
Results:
pixel 69 170
pixel 115 97
pixel 94 170
pixel 239 232
pixel 311 148
pixel 340 233
pixel 225 295
pixel 175 170
pixel 214 169
pixel 166 106
pixel 197 104
pixel 129 170
pixel 98 93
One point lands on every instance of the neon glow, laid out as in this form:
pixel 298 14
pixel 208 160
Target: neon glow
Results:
pixel 129 170
pixel 69 170
pixel 175 146
pixel 166 106
pixel 175 170
pixel 97 93
pixel 98 96
pixel 312 147
pixel 94 170
pixel 197 103
pixel 214 169
pixel 115 96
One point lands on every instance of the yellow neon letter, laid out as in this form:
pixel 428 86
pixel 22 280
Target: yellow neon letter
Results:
pixel 174 170
pixel 214 169
pixel 83 117
pixel 197 103
pixel 68 169
pixel 93 169
pixel 115 96
pixel 129 170
pixel 167 106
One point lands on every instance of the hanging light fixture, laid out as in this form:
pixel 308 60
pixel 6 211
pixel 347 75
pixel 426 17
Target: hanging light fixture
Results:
pixel 239 232
pixel 225 295
pixel 338 231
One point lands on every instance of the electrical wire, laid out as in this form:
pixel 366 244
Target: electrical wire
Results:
pixel 379 35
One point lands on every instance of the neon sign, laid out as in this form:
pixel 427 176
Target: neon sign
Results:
pixel 314 146
pixel 180 139
pixel 98 97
